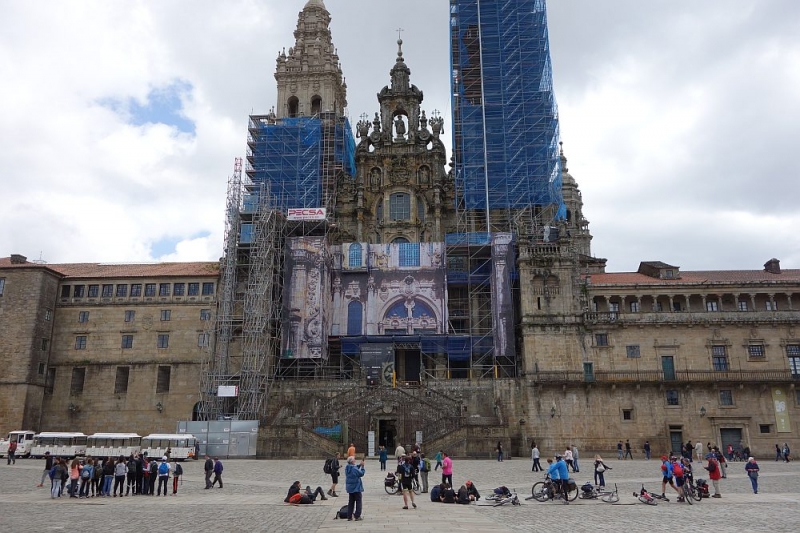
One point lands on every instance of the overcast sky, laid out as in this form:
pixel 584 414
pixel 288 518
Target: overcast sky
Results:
pixel 120 121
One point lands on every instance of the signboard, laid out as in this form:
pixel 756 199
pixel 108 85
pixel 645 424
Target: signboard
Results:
pixel 228 391
pixel 782 422
pixel 310 213
pixel 371 443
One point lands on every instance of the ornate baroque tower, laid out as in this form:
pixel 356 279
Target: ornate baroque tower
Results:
pixel 310 77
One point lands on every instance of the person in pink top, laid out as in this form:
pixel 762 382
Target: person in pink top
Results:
pixel 447 470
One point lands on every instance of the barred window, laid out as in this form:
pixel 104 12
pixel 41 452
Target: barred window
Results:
pixel 127 342
pixel 672 397
pixel 409 254
pixel 756 351
pixel 122 291
pixel 726 397
pixel 400 206
pixel 633 351
pixel 354 256
pixel 719 355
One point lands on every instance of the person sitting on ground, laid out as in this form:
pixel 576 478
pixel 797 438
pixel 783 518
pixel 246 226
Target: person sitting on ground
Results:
pixel 436 492
pixel 472 490
pixel 448 494
pixel 463 495
pixel 297 495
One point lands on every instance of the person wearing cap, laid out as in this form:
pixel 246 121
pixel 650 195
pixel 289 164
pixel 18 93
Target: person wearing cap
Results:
pixel 163 475
pixel 472 490
pixel 714 473
pixel 666 476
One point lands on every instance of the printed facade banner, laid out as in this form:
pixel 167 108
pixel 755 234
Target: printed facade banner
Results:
pixel 782 422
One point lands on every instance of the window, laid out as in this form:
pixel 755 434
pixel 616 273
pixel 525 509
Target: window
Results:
pixel 130 316
pixel 194 289
pixel 672 397
pixel 764 428
pixel 122 291
pixel 83 317
pixel 669 274
pixel 379 212
pixel 712 306
pixel 108 291
pixel 121 381
pixel 80 342
pixel 202 339
pixel 78 377
pixel 627 414
pixel 3 286
pixel 409 254
pixel 719 356
pixel 657 306
pixel 150 289
pixel 742 306
pixel 41 369
pixel 136 290
pixel 162 382
pixel 94 291
pixel 163 340
pixel 48 315
pixel 613 307
pixel 755 351
pixel 127 342
pixel 726 398
pixel 354 256
pixel 45 344
pixel 205 314
pixel 163 289
pixel 420 210
pixel 772 306
pixel 208 289
pixel 50 381
pixel 601 339
pixel 634 307
pixel 166 314
pixel 793 353
pixel 179 289
pixel 676 306
pixel 355 313
pixel 633 351
pixel 399 206
pixel 65 291
pixel 78 291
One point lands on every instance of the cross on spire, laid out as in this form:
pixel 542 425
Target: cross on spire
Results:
pixel 399 31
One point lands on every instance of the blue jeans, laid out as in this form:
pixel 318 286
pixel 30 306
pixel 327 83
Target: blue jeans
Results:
pixel 575 464
pixel 354 501
pixel 599 476
pixel 500 456
pixel 647 454
pixel 754 483
pixel 107 480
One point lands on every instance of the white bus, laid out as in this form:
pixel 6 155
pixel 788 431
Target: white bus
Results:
pixel 181 446
pixel 58 444
pixel 24 440
pixel 113 444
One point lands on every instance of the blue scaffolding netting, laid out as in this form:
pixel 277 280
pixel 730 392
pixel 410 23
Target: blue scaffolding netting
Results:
pixel 505 118
pixel 300 158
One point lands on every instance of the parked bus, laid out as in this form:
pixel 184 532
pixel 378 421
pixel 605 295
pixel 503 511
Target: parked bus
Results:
pixel 113 444
pixel 24 440
pixel 181 446
pixel 58 444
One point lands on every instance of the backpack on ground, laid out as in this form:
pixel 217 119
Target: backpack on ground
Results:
pixel 328 466
pixel 342 513
pixel 295 498
pixel 163 469
pixel 178 469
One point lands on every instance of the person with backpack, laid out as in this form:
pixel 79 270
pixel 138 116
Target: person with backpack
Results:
pixel 677 471
pixel 406 472
pixel 87 473
pixel 714 473
pixel 424 468
pixel 130 486
pixel 139 473
pixel 163 475
pixel 666 476
pixel 97 478
pixel 332 467
pixel 177 473
pixel 296 495
pixel 153 476
pixel 217 472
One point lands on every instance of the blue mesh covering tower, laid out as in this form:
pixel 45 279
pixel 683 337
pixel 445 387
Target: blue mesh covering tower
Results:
pixel 505 119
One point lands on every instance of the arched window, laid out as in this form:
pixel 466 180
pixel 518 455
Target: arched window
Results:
pixel 316 105
pixel 293 107
pixel 400 206
pixel 354 259
pixel 354 317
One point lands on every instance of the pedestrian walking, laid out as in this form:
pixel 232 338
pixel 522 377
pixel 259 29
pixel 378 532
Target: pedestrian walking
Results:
pixel 499 451
pixel 438 459
pixel 12 452
pixel 447 469
pixel 778 453
pixel 537 467
pixel 752 472
pixel 786 452
pixel 628 450
pixel 217 472
pixel 48 465
pixel 335 467
pixel 568 458
pixel 208 468
pixel 619 451
pixel 354 487
pixel 575 467
pixel 646 449
pixel 351 451
pixel 599 471
pixel 405 471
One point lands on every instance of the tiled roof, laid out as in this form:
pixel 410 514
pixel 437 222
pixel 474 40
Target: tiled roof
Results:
pixel 697 277
pixel 123 270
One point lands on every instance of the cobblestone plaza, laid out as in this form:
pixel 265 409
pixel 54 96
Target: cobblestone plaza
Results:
pixel 252 500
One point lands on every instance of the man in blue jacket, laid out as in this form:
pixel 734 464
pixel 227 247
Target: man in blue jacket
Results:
pixel 354 487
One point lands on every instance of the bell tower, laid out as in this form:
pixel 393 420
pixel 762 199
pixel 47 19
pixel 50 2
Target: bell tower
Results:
pixel 309 76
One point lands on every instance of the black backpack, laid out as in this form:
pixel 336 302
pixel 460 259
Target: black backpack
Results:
pixel 328 467
pixel 178 469
pixel 342 513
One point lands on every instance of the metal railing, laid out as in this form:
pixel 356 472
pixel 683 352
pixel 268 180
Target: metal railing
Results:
pixel 657 376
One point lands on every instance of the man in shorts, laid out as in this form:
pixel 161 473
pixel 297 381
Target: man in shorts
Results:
pixel 334 475
pixel 666 476
pixel 406 472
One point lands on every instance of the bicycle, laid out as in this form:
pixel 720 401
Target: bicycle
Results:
pixel 611 497
pixel 690 493
pixel 392 485
pixel 589 492
pixel 548 490
pixel 646 497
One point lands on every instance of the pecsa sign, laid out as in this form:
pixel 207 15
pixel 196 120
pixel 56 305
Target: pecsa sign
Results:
pixel 312 213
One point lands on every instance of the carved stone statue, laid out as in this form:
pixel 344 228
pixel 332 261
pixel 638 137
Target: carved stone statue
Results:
pixel 375 178
pixel 400 127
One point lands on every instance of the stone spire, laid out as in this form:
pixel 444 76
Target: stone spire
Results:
pixel 309 77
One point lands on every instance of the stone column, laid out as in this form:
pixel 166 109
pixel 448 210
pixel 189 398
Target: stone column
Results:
pixel 671 303
pixel 705 306
pixel 752 302
pixel 337 306
pixel 771 302
pixel 789 300
pixel 736 301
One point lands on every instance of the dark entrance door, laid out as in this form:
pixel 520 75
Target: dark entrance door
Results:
pixel 732 436
pixel 411 366
pixel 668 367
pixel 387 434
pixel 676 441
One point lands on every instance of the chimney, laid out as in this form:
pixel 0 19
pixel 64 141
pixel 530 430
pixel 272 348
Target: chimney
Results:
pixel 17 259
pixel 773 266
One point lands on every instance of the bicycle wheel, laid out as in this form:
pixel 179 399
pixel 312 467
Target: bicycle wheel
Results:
pixel 539 491
pixel 687 494
pixel 415 486
pixel 651 501
pixel 611 498
pixel 572 494
pixel 696 494
pixel 390 489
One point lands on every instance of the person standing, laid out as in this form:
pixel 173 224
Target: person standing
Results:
pixel 628 449
pixel 153 476
pixel 646 448
pixel 568 458
pixel 335 466
pixel 354 487
pixel 12 451
pixel 786 451
pixel 714 474
pixel 120 471
pixel 48 466
pixel 723 464
pixel 752 472
pixel 424 468
pixel 499 452
pixel 599 471
pixel 108 477
pixel 383 457
pixel 177 472
pixel 537 467
pixel 698 451
pixel 87 473
pixel 351 451
pixel 163 475
pixel 130 478
pixel 405 470
pixel 575 466
pixel 139 473
pixel 97 478
pixel 217 472
pixel 56 473
pixel 145 475
pixel 619 451
pixel 447 470
pixel 438 459
pixel 208 468
pixel 398 453
pixel 74 474
pixel 778 453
